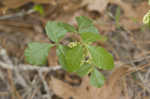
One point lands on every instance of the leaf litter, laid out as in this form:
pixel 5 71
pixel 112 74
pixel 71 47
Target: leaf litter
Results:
pixel 111 90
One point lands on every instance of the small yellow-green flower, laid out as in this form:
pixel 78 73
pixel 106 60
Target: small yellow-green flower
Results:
pixel 72 44
pixel 146 18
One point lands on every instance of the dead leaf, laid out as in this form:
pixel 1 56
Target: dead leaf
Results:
pixel 146 97
pixel 19 3
pixel 97 5
pixel 141 10
pixel 132 14
pixel 14 3
pixel 111 89
pixel 127 8
pixel 43 1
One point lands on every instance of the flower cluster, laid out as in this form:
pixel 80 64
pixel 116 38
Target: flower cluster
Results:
pixel 73 44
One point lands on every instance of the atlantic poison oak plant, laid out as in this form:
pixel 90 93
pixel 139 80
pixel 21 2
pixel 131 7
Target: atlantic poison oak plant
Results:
pixel 78 55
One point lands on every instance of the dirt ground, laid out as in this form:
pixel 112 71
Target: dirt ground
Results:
pixel 119 20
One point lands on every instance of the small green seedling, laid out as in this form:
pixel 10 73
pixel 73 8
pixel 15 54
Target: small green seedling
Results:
pixel 79 55
pixel 39 8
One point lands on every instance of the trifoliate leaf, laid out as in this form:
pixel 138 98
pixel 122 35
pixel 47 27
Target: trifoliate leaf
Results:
pixel 92 37
pixel 85 25
pixel 70 58
pixel 84 70
pixel 96 78
pixel 83 21
pixel 88 32
pixel 54 31
pixel 101 58
pixel 68 27
pixel 37 53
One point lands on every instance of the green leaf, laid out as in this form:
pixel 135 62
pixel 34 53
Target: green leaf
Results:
pixel 101 58
pixel 39 8
pixel 88 32
pixel 37 53
pixel 61 56
pixel 90 29
pixel 92 37
pixel 83 21
pixel 96 78
pixel 86 25
pixel 54 31
pixel 68 27
pixel 84 70
pixel 70 58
